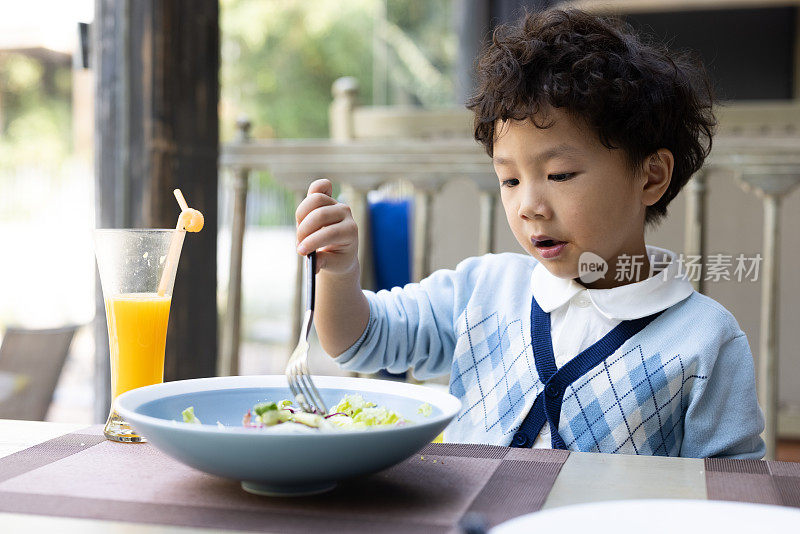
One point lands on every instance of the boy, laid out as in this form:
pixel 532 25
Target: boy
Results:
pixel 592 133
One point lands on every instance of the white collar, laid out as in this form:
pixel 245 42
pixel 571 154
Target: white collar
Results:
pixel 630 301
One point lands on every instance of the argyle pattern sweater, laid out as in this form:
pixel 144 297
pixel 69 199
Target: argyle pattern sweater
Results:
pixel 682 386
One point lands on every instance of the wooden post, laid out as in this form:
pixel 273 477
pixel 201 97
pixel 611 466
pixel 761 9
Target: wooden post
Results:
pixel 228 364
pixel 473 22
pixel 357 200
pixel 112 172
pixel 340 113
pixel 486 241
pixel 380 57
pixel 768 346
pixel 695 232
pixel 342 128
pixel 771 185
pixel 421 253
pixel 156 128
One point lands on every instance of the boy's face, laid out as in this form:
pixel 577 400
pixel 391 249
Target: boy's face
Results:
pixel 561 183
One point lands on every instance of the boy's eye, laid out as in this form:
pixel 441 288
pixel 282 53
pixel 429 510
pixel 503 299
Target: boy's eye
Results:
pixel 511 182
pixel 561 177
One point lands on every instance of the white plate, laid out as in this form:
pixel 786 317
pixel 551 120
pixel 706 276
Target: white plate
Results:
pixel 658 516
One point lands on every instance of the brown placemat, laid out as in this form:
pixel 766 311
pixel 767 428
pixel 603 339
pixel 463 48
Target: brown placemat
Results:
pixel 83 475
pixel 756 481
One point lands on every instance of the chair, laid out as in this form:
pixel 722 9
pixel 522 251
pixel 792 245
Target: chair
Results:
pixel 30 365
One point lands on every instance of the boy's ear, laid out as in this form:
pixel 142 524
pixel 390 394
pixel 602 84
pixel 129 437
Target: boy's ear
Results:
pixel 658 173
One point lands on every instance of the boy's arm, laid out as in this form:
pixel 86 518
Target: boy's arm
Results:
pixel 341 310
pixel 327 226
pixel 410 327
pixel 723 418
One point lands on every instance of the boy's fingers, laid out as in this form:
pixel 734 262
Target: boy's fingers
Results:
pixel 324 216
pixel 310 203
pixel 322 185
pixel 338 235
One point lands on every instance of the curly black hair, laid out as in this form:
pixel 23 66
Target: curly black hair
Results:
pixel 636 95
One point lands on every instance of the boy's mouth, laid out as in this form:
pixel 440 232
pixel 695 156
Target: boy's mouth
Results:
pixel 547 246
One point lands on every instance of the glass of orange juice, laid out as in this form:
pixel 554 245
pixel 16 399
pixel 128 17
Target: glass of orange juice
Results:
pixel 137 273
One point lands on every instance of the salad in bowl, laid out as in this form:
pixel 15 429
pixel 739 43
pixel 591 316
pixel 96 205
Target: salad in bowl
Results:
pixel 351 413
pixel 278 450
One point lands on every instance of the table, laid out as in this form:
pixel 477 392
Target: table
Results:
pixel 585 477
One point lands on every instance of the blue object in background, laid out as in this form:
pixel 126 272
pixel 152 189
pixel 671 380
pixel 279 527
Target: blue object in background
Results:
pixel 391 247
pixel 391 242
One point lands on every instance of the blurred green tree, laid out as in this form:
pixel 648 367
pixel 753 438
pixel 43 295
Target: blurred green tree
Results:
pixel 35 123
pixel 280 58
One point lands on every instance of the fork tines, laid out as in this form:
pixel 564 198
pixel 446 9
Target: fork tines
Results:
pixel 305 392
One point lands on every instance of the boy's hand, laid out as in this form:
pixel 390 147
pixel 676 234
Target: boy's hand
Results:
pixel 327 226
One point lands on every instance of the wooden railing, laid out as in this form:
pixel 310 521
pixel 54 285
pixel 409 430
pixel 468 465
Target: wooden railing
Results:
pixel 770 168
pixel 759 143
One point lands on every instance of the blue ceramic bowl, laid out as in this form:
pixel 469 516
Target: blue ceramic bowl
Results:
pixel 279 463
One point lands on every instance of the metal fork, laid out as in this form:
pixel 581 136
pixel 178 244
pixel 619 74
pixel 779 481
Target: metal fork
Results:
pixel 300 382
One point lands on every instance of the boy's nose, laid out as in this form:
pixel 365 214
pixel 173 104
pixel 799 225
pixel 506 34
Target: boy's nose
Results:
pixel 534 205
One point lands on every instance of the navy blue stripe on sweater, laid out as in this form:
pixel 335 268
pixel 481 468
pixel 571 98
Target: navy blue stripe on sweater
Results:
pixel 547 406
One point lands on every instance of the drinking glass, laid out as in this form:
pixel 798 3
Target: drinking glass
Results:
pixel 137 272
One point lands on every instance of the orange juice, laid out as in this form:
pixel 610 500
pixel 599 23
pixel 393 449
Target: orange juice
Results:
pixel 137 335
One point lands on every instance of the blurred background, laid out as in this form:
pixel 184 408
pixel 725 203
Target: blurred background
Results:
pixel 275 63
pixel 278 61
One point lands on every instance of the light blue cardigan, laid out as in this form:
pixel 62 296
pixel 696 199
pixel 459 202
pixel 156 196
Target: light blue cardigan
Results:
pixel 683 386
